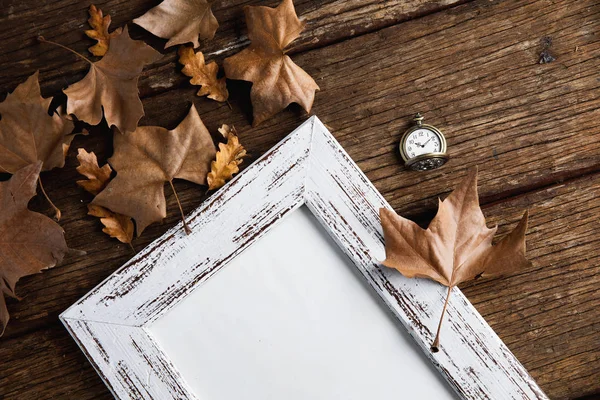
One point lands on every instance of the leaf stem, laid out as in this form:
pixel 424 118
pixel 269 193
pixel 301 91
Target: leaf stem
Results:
pixel 57 213
pixel 43 40
pixel 435 347
pixel 185 225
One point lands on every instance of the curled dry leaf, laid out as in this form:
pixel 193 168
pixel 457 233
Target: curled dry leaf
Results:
pixel 457 245
pixel 228 159
pixel 30 241
pixel 202 74
pixel 277 81
pixel 115 225
pixel 97 178
pixel 149 157
pixel 99 31
pixel 227 130
pixel 111 84
pixel 180 21
pixel 29 134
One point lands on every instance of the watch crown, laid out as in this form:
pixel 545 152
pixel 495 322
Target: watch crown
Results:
pixel 418 118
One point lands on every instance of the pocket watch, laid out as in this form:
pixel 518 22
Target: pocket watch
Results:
pixel 423 147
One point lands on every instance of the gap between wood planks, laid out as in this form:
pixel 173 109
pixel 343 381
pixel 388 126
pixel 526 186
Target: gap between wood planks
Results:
pixel 487 202
pixel 303 44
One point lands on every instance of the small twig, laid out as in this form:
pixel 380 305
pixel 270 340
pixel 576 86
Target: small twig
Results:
pixel 435 347
pixel 43 40
pixel 185 225
pixel 57 212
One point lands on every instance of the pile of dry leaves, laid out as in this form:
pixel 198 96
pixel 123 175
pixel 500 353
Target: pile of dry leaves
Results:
pixel 130 188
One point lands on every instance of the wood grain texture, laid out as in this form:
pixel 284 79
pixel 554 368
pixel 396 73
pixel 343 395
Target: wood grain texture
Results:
pixel 53 370
pixel 471 69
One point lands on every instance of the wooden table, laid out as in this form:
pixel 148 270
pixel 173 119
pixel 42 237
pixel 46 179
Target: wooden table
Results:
pixel 471 67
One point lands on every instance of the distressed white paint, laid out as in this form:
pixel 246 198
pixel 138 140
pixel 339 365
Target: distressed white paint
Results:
pixel 291 318
pixel 308 167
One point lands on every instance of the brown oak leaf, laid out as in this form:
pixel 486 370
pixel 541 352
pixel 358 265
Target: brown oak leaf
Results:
pixel 97 178
pixel 457 245
pixel 29 242
pixel 99 31
pixel 180 21
pixel 149 157
pixel 276 80
pixel 202 74
pixel 115 225
pixel 29 134
pixel 228 159
pixel 111 84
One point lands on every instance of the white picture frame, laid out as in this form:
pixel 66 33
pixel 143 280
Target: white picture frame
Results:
pixel 112 323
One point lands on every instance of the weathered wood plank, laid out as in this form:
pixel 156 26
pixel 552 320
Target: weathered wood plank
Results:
pixel 21 22
pixel 472 70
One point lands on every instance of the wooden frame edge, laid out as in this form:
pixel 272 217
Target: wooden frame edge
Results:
pixel 307 167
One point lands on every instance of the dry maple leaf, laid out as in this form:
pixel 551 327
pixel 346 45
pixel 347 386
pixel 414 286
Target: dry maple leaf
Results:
pixel 276 80
pixel 115 225
pixel 111 84
pixel 202 74
pixel 457 245
pixel 99 31
pixel 228 159
pixel 149 157
pixel 29 134
pixel 29 241
pixel 180 21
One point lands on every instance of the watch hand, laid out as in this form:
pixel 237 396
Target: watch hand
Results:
pixel 423 145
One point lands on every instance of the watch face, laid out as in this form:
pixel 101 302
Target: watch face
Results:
pixel 421 141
